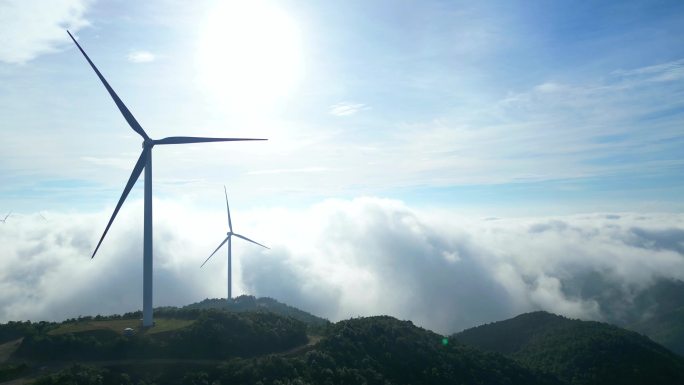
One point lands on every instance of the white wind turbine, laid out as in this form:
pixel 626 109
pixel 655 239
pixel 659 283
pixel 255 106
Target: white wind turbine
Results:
pixel 228 239
pixel 144 162
pixel 6 216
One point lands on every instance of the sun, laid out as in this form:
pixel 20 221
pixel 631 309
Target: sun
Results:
pixel 249 54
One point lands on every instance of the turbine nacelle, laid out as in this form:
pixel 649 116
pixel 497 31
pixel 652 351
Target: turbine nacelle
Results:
pixel 144 162
pixel 147 144
pixel 230 234
pixel 228 240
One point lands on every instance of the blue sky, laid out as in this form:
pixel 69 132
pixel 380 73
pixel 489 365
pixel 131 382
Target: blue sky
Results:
pixel 509 107
pixel 419 152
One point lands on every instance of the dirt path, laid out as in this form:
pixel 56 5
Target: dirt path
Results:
pixel 312 340
pixel 8 348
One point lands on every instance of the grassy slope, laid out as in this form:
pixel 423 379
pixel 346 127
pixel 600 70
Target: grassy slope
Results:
pixel 8 348
pixel 161 325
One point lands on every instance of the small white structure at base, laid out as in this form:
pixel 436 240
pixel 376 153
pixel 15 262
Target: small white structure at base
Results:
pixel 128 332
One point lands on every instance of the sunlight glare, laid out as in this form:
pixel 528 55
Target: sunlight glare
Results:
pixel 249 55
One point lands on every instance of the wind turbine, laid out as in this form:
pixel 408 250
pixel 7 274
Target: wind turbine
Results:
pixel 6 216
pixel 228 239
pixel 144 162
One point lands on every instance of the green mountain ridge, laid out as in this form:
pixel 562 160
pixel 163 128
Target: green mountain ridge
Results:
pixel 245 303
pixel 262 341
pixel 666 328
pixel 658 312
pixel 373 350
pixel 578 352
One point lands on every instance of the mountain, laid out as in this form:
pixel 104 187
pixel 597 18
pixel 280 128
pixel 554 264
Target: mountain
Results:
pixel 244 342
pixel 661 314
pixel 666 328
pixel 398 352
pixel 248 303
pixel 578 352
pixel 655 310
pixel 374 351
pixel 212 335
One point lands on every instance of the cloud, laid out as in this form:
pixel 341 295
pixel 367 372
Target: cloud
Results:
pixel 117 162
pixel 346 108
pixel 448 272
pixel 288 170
pixel 663 72
pixel 344 258
pixel 549 87
pixel 141 57
pixel 595 133
pixel 626 122
pixel 31 28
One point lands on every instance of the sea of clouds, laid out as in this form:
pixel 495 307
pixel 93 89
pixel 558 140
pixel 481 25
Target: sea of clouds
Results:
pixel 343 258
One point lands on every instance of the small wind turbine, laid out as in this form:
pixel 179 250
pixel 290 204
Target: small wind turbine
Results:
pixel 6 216
pixel 230 234
pixel 144 162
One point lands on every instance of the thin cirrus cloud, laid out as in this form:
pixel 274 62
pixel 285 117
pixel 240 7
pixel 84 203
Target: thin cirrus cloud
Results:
pixel 554 131
pixel 288 170
pixel 141 57
pixel 31 28
pixel 347 108
pixel 660 72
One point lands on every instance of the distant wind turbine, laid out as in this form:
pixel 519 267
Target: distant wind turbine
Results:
pixel 6 216
pixel 144 162
pixel 228 239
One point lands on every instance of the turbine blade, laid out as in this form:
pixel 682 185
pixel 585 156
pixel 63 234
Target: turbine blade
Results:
pixel 122 107
pixel 7 216
pixel 230 224
pixel 194 139
pixel 217 249
pixel 131 182
pixel 249 240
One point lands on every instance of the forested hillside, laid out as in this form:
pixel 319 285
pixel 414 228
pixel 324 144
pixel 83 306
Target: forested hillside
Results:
pixel 248 303
pixel 375 350
pixel 201 344
pixel 578 352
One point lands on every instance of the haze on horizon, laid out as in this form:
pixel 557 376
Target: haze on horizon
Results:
pixel 422 156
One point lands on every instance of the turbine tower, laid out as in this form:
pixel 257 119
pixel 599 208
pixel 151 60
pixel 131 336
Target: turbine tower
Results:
pixel 144 162
pixel 228 239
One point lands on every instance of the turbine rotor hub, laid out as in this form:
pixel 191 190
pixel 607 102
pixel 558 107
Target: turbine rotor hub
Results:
pixel 148 143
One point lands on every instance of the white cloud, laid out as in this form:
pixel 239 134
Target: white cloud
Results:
pixel 141 57
pixel 344 258
pixel 119 162
pixel 346 108
pixel 551 131
pixel 288 170
pixel 620 125
pixel 549 87
pixel 663 72
pixel 30 28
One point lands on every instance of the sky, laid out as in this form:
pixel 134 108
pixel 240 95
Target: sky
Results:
pixel 418 153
